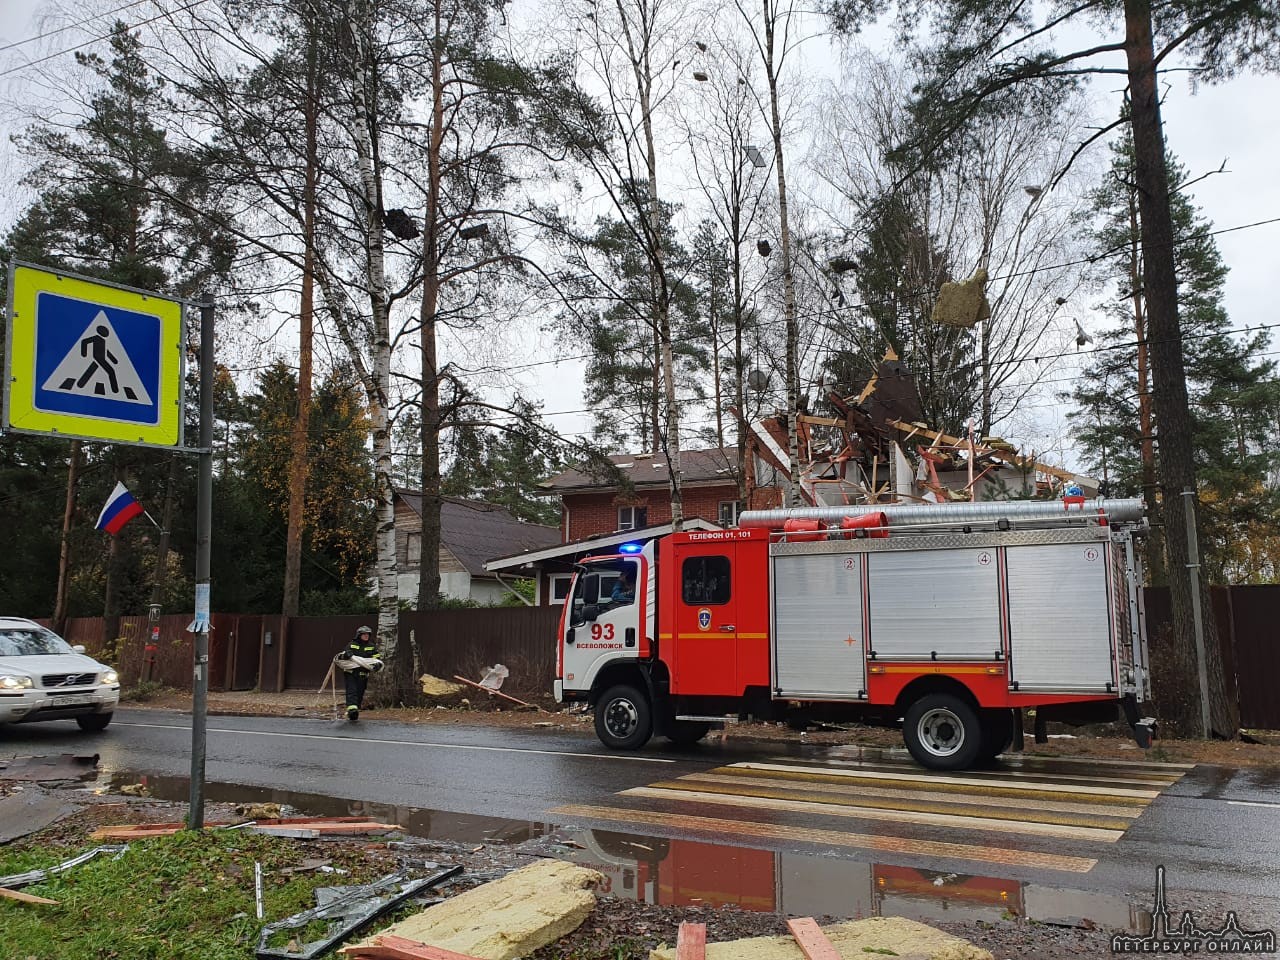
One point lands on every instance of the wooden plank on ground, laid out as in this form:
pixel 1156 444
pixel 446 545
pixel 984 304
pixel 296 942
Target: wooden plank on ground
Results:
pixel 691 941
pixel 813 943
pixel 499 693
pixel 391 947
pixel 290 833
pixel 25 897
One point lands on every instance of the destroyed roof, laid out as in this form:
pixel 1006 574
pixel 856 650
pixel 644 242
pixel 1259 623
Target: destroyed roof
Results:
pixel 475 531
pixel 700 468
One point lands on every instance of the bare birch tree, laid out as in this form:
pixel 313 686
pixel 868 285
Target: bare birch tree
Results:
pixel 628 53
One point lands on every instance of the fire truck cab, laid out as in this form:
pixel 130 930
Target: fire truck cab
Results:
pixel 944 618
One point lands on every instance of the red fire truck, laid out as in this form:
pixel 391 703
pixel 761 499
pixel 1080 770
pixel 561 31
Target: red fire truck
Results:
pixel 946 618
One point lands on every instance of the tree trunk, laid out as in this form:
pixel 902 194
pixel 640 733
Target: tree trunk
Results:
pixel 659 290
pixel 431 423
pixel 64 554
pixel 299 464
pixel 1179 699
pixel 1156 570
pixel 788 277
pixel 740 371
pixel 430 420
pixel 364 86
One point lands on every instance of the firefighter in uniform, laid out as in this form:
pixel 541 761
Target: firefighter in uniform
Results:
pixel 356 680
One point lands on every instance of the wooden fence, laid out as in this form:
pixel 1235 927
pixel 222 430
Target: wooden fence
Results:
pixel 248 652
pixel 446 642
pixel 1248 638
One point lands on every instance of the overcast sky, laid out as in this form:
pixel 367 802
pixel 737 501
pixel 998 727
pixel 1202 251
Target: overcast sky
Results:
pixel 1233 123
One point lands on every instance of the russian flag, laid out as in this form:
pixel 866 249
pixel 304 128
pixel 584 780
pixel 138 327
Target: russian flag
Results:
pixel 120 508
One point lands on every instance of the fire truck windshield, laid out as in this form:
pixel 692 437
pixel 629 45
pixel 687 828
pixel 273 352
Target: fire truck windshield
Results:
pixel 603 585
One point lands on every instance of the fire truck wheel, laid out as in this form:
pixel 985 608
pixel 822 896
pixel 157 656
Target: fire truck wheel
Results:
pixel 942 732
pixel 624 720
pixel 685 733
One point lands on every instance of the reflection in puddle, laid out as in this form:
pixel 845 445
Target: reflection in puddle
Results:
pixel 417 821
pixel 676 872
pixel 694 873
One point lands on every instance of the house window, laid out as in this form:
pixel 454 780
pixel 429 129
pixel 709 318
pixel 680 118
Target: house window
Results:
pixel 560 583
pixel 633 518
pixel 729 510
pixel 413 547
pixel 705 580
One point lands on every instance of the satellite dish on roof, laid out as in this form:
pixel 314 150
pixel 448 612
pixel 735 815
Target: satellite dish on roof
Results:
pixel 758 380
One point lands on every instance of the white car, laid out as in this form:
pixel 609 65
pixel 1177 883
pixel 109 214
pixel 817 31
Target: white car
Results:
pixel 42 677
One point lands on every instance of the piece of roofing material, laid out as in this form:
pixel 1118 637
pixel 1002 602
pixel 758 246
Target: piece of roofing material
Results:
pixel 64 766
pixel 31 810
pixel 1117 511
pixel 37 876
pixel 346 915
pixel 510 917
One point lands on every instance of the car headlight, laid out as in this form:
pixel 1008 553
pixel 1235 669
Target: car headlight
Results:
pixel 10 682
pixel 110 676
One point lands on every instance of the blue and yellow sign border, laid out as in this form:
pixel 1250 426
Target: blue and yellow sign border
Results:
pixel 20 414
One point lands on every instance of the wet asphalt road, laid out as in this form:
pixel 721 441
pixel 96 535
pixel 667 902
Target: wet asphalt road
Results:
pixel 1215 830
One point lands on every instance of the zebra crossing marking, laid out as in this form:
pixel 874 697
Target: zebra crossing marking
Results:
pixel 720 828
pixel 1096 807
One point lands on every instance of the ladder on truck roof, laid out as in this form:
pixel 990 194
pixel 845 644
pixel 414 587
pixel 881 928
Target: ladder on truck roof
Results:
pixel 858 520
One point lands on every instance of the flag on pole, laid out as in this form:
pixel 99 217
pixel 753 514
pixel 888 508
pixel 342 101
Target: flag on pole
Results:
pixel 119 509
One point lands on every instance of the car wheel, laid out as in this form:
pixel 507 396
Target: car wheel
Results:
pixel 93 722
pixel 624 719
pixel 685 733
pixel 942 732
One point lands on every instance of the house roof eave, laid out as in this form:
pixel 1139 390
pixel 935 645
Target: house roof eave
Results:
pixel 591 544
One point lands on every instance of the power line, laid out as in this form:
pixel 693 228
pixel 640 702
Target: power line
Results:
pixel 98 39
pixel 71 26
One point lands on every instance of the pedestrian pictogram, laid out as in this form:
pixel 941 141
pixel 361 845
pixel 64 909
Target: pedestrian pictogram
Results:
pixel 98 366
pixel 92 360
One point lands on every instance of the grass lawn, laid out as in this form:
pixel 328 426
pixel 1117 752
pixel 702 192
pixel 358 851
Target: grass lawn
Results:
pixel 167 898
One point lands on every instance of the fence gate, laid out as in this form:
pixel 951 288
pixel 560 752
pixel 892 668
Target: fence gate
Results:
pixel 245 653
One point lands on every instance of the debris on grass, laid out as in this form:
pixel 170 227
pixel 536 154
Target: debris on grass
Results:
pixel 509 917
pixel 39 876
pixel 333 921
pixel 435 687
pixel 298 828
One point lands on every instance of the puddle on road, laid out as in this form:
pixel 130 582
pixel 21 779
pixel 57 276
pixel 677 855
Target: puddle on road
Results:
pixel 417 821
pixel 694 873
pixel 679 872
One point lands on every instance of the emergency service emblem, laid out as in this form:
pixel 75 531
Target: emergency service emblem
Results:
pixel 704 619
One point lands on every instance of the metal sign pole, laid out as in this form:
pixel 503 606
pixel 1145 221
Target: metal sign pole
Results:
pixel 1197 614
pixel 204 527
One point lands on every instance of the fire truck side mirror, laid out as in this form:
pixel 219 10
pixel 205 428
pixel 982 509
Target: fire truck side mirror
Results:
pixel 568 637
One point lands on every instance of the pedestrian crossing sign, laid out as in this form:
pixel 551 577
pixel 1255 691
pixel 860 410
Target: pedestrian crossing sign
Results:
pixel 92 360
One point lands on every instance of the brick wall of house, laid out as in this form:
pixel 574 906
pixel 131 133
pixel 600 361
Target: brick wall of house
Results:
pixel 595 513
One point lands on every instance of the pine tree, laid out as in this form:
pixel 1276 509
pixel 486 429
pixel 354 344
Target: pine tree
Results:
pixel 337 545
pixel 505 466
pixel 1235 399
